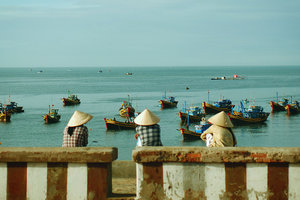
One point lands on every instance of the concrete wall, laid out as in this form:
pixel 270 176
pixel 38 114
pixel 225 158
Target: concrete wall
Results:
pixel 56 173
pixel 217 173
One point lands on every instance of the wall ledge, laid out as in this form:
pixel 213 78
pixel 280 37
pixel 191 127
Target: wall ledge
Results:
pixel 216 154
pixel 59 154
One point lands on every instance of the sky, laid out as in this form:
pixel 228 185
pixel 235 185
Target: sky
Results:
pixel 107 33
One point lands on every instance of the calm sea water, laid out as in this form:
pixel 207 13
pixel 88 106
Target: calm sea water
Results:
pixel 101 95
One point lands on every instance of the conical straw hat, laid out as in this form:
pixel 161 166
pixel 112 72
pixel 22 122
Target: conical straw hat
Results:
pixel 146 118
pixel 79 118
pixel 221 119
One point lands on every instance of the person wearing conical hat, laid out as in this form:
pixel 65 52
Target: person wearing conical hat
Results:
pixel 148 131
pixel 220 131
pixel 76 133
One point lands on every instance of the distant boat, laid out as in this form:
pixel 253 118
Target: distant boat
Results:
pixel 52 116
pixel 195 114
pixel 293 108
pixel 128 73
pixel 234 77
pixel 251 115
pixel 168 102
pixel 100 71
pixel 113 124
pixel 41 71
pixel 71 100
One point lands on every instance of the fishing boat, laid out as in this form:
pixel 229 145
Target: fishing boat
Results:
pixel 251 115
pixel 193 114
pixel 71 100
pixel 194 135
pixel 52 116
pixel 279 105
pixel 126 109
pixel 234 77
pixel 5 116
pixel 168 102
pixel 113 124
pixel 13 107
pixel 293 108
pixel 218 106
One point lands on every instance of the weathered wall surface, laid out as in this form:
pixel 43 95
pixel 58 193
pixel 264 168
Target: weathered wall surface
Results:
pixel 217 173
pixel 56 173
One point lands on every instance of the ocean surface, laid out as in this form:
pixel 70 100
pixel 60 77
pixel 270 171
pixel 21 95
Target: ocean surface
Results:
pixel 102 94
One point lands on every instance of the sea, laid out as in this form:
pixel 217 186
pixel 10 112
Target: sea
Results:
pixel 103 89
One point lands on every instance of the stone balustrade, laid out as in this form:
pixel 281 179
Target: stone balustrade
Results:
pixel 217 173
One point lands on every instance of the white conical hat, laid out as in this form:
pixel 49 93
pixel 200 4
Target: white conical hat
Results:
pixel 221 119
pixel 146 118
pixel 79 118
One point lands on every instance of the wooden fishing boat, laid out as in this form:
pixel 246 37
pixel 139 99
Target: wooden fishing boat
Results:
pixel 279 105
pixel 113 124
pixel 52 116
pixel 293 108
pixel 71 100
pixel 5 116
pixel 218 106
pixel 168 102
pixel 126 109
pixel 194 135
pixel 252 115
pixel 189 135
pixel 193 114
pixel 13 107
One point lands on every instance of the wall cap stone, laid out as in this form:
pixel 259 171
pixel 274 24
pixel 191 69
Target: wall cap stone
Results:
pixel 59 154
pixel 216 154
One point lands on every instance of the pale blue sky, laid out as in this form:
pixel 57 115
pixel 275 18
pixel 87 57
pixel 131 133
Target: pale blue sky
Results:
pixel 53 33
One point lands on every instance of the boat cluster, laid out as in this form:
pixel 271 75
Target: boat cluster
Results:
pixel 6 110
pixel 245 113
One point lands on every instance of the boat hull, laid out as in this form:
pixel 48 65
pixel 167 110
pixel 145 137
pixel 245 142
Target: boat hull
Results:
pixel 192 118
pixel 276 107
pixel 211 109
pixel 189 135
pixel 69 102
pixel 292 109
pixel 168 104
pixel 117 125
pixel 49 120
pixel 237 118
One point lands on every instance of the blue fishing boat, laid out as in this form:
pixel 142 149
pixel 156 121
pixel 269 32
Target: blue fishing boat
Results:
pixel 13 107
pixel 218 106
pixel 194 113
pixel 194 135
pixel 251 115
pixel 168 102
